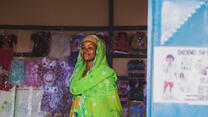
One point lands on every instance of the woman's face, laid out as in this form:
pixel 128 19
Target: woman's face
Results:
pixel 88 51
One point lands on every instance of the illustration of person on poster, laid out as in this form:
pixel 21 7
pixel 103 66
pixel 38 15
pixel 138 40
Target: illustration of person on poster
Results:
pixel 170 76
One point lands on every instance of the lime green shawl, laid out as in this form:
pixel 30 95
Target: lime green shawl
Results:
pixel 99 73
pixel 96 74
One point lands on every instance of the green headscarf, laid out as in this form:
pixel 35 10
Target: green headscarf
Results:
pixel 99 71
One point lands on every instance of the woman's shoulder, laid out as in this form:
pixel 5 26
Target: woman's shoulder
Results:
pixel 106 68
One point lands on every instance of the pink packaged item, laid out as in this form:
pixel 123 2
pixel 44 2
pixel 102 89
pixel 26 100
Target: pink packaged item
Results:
pixel 31 73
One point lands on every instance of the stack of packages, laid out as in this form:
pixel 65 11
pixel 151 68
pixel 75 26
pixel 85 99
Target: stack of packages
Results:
pixel 137 93
pixel 126 43
pixel 7 92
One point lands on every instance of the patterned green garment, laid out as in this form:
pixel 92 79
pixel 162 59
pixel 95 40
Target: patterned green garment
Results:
pixel 98 89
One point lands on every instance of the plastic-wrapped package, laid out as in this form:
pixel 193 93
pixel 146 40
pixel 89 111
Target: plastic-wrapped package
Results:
pixel 56 96
pixel 7 42
pixel 65 72
pixel 137 109
pixel 56 100
pixel 60 46
pixel 28 101
pixel 7 102
pixel 4 85
pixel 136 92
pixel 41 43
pixel 123 87
pixel 121 41
pixel 104 38
pixel 6 56
pixel 31 72
pixel 136 69
pixel 17 72
pixel 138 43
pixel 76 41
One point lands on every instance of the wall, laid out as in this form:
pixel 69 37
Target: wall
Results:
pixel 54 12
pixel 72 12
pixel 130 12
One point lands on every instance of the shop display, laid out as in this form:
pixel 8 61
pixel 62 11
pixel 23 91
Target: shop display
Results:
pixel 136 69
pixel 4 85
pixel 31 72
pixel 125 110
pixel 123 88
pixel 7 40
pixel 76 40
pixel 17 72
pixel 6 56
pixel 136 91
pixel 56 100
pixel 65 75
pixel 60 46
pixel 41 43
pixel 56 96
pixel 7 103
pixel 121 41
pixel 104 38
pixel 138 43
pixel 28 100
pixel 137 109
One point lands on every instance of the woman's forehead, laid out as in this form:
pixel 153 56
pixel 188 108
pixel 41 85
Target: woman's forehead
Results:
pixel 87 43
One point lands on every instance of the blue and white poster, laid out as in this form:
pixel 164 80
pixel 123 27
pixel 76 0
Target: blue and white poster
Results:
pixel 181 75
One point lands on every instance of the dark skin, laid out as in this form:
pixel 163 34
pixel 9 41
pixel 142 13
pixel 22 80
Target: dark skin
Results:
pixel 88 53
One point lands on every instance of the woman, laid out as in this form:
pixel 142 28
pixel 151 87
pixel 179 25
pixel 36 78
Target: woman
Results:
pixel 93 83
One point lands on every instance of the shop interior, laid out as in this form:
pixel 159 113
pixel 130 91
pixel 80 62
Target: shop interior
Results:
pixel 30 26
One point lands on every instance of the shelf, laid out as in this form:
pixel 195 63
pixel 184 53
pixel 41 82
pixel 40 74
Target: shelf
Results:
pixel 115 55
pixel 69 28
pixel 129 28
pixel 29 54
pixel 123 78
pixel 127 78
pixel 23 54
pixel 72 28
